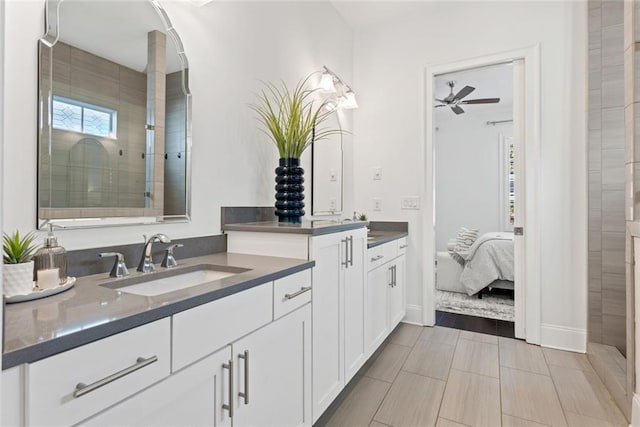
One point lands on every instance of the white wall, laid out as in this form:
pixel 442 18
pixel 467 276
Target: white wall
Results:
pixel 230 47
pixel 469 178
pixel 389 66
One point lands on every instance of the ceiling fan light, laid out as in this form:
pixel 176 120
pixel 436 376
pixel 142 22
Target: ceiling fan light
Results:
pixel 348 100
pixel 326 83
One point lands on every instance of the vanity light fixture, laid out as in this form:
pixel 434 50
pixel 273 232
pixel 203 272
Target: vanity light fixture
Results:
pixel 328 83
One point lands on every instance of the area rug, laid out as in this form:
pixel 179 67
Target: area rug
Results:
pixel 491 306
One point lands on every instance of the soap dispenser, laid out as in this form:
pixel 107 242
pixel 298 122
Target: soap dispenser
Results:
pixel 50 269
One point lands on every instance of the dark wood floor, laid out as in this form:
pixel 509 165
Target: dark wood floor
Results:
pixel 501 328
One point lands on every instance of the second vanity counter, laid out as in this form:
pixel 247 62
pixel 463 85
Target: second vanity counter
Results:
pixel 38 329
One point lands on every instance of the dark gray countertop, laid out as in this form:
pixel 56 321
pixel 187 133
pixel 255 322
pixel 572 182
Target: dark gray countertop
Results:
pixel 314 228
pixel 89 312
pixel 380 237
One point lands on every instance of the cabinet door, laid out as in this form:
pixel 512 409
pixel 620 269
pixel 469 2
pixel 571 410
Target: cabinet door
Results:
pixel 397 298
pixel 191 397
pixel 354 346
pixel 327 311
pixel 12 413
pixel 377 307
pixel 273 367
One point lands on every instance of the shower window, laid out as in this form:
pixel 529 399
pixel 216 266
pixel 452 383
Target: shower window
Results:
pixel 76 116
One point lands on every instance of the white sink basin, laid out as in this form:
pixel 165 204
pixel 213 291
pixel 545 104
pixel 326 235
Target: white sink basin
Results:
pixel 164 282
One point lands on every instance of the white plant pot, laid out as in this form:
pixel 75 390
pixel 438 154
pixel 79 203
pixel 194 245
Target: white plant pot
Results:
pixel 17 279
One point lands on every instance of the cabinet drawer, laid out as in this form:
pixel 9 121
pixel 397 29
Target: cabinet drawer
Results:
pixel 127 359
pixel 291 292
pixel 402 246
pixel 379 255
pixel 202 330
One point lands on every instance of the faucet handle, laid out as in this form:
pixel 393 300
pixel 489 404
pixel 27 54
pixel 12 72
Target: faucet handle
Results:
pixel 119 267
pixel 169 260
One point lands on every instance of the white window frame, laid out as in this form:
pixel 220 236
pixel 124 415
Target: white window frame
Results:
pixel 505 142
pixel 113 125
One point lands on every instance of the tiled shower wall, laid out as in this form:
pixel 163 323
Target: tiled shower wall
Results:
pixel 607 302
pixel 175 143
pixel 88 78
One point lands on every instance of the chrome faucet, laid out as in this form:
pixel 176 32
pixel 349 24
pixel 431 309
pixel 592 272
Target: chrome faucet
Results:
pixel 146 262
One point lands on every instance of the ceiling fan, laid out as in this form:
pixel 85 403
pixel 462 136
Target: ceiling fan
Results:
pixel 455 101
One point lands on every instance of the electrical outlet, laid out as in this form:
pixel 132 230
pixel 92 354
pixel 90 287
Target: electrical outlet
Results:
pixel 377 174
pixel 333 175
pixel 410 203
pixel 377 204
pixel 332 204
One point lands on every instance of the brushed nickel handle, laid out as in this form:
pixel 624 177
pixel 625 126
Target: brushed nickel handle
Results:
pixel 245 393
pixel 377 257
pixel 141 362
pixel 229 407
pixel 391 274
pixel 345 263
pixel 300 292
pixel 403 246
pixel 351 250
pixel 394 276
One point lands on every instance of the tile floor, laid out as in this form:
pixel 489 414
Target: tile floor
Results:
pixel 450 378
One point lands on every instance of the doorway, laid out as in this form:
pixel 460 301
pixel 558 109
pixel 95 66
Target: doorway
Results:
pixel 475 199
pixel 524 68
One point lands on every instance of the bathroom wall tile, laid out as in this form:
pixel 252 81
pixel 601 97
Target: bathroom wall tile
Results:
pixel 613 169
pixel 629 200
pixel 613 209
pixel 92 64
pixel 629 134
pixel 595 241
pixel 613 252
pixel 595 150
pixel 612 43
pixel 613 293
pixel 594 27
pixel 613 128
pixel 612 12
pixel 614 331
pixel 133 79
pixel 594 120
pixel 636 189
pixel 595 266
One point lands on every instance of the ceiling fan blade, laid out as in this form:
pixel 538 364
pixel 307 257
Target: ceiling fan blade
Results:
pixel 457 109
pixel 441 100
pixel 440 105
pixel 481 101
pixel 464 92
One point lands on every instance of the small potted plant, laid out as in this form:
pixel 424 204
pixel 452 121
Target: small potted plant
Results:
pixel 17 272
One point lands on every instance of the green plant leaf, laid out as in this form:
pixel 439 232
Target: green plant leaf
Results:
pixel 17 249
pixel 291 118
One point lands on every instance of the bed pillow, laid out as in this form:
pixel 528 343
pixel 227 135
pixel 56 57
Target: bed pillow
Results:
pixel 464 240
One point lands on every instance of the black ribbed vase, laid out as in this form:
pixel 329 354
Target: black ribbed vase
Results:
pixel 289 188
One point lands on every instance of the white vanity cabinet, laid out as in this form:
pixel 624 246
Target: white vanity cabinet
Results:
pixel 262 379
pixel 385 304
pixel 12 411
pixel 338 300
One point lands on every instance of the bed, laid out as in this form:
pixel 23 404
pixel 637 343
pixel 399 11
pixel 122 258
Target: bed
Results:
pixel 487 264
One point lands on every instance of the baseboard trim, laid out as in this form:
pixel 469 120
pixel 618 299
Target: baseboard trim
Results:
pixel 635 410
pixel 563 338
pixel 413 315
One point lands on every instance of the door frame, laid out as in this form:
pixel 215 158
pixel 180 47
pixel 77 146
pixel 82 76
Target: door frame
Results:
pixel 528 318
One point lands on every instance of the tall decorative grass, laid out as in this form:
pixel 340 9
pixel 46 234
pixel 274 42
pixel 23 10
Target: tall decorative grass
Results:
pixel 291 118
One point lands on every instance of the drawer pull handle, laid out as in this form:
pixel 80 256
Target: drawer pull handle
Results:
pixel 300 292
pixel 141 362
pixel 229 407
pixel 403 246
pixel 245 393
pixel 377 257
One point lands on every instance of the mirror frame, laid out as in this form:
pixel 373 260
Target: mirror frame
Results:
pixel 45 95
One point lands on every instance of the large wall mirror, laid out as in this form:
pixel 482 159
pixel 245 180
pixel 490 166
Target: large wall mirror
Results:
pixel 327 172
pixel 114 115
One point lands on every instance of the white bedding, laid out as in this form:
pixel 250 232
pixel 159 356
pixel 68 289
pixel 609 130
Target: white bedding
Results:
pixel 490 258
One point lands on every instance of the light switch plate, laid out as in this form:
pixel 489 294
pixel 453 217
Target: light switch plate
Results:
pixel 377 204
pixel 410 203
pixel 377 174
pixel 332 204
pixel 333 175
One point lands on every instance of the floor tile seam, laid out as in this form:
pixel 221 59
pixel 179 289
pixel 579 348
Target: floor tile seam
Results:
pixel 403 345
pixel 555 388
pixel 478 341
pixel 592 417
pixel 453 421
pixel 427 376
pixel 524 370
pixel 475 373
pixel 373 418
pixel 379 379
